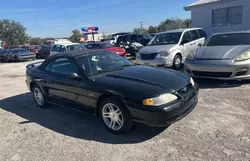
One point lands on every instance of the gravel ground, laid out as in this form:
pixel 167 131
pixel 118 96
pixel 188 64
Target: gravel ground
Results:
pixel 218 128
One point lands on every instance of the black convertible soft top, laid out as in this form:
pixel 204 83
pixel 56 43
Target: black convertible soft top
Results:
pixel 69 54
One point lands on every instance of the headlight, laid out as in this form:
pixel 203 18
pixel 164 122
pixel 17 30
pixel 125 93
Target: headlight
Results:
pixel 243 56
pixel 162 54
pixel 192 81
pixel 190 56
pixel 160 100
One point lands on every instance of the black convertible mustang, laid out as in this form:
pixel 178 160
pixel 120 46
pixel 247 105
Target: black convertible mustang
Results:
pixel 107 85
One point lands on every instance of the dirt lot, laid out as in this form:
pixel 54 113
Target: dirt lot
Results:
pixel 218 129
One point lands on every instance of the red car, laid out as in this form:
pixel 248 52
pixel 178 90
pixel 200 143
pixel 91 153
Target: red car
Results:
pixel 107 46
pixel 35 50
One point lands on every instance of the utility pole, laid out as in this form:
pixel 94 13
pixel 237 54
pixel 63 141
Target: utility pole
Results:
pixel 141 24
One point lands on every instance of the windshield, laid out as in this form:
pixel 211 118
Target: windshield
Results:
pixel 229 40
pixel 166 38
pixel 98 63
pixel 106 45
pixel 73 47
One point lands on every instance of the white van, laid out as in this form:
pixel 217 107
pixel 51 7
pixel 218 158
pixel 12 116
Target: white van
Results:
pixel 62 47
pixel 170 49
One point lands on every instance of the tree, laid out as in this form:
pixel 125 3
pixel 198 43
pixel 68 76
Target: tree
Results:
pixel 76 36
pixel 35 41
pixel 152 29
pixel 12 32
pixel 168 24
pixel 140 31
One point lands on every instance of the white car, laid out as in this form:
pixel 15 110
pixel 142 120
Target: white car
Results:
pixel 62 47
pixel 170 49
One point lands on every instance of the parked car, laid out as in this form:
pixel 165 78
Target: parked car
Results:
pixel 223 56
pixel 107 85
pixel 170 49
pixel 107 46
pixel 44 52
pixel 35 49
pixel 68 46
pixel 115 36
pixel 4 55
pixel 132 43
pixel 20 54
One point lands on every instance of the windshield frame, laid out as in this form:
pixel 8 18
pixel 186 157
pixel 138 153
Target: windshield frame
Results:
pixel 160 34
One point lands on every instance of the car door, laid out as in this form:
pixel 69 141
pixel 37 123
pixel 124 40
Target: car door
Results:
pixel 187 44
pixel 196 39
pixel 64 90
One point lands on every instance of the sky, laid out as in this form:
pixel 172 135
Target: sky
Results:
pixel 57 18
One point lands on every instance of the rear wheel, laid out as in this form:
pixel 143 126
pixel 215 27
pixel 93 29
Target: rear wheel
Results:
pixel 115 116
pixel 177 62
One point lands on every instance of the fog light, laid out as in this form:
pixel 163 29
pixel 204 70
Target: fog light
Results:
pixel 242 69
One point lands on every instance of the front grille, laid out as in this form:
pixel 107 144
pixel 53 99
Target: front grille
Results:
pixel 148 56
pixel 212 74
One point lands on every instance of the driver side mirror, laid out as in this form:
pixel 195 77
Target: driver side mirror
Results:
pixel 184 42
pixel 74 76
pixel 200 44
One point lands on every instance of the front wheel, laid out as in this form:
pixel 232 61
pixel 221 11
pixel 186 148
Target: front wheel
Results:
pixel 16 59
pixel 115 116
pixel 39 97
pixel 177 62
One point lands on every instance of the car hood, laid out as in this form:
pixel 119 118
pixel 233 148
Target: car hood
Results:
pixel 220 52
pixel 155 49
pixel 145 81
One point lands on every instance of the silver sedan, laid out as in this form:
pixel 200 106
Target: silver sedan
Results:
pixel 224 56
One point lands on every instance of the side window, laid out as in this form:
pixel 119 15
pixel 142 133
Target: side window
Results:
pixel 202 33
pixel 186 37
pixel 56 48
pixel 93 46
pixel 62 66
pixel 62 49
pixel 125 40
pixel 134 38
pixel 119 40
pixel 194 34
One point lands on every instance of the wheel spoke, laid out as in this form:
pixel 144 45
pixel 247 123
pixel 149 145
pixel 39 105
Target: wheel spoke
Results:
pixel 106 115
pixel 119 121
pixel 110 108
pixel 118 112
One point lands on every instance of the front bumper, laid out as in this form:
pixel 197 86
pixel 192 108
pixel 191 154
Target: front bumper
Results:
pixel 218 69
pixel 168 62
pixel 166 115
pixel 28 57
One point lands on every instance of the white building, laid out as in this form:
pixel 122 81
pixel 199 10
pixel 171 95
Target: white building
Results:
pixel 220 15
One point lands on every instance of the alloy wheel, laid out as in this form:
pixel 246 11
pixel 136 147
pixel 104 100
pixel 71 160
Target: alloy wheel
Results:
pixel 112 116
pixel 38 97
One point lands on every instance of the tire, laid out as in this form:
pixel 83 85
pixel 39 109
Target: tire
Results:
pixel 118 119
pixel 16 59
pixel 177 62
pixel 37 92
pixel 5 59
